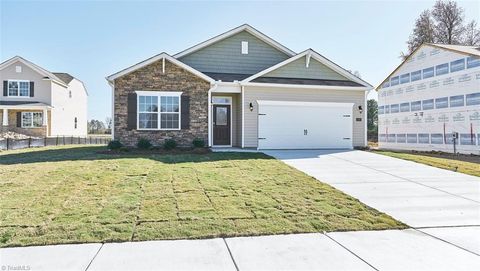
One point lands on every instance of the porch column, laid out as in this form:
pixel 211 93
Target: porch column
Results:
pixel 45 117
pixel 5 117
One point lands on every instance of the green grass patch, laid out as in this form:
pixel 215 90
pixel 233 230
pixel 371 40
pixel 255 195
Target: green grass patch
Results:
pixel 445 161
pixel 74 194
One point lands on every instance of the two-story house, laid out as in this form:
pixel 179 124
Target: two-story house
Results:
pixel 240 89
pixel 431 102
pixel 40 103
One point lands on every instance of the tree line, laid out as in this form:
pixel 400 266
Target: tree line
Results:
pixel 444 23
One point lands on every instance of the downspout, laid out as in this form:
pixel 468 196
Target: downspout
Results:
pixel 210 113
pixel 243 116
pixel 112 132
pixel 365 117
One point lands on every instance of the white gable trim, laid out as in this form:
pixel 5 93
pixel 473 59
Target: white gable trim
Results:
pixel 311 54
pixel 163 57
pixel 232 32
pixel 34 67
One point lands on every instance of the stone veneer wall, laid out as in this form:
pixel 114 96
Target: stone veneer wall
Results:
pixel 12 125
pixel 152 78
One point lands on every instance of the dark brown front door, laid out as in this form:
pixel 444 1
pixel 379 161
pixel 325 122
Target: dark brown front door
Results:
pixel 221 125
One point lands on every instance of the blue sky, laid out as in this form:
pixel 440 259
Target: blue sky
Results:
pixel 93 39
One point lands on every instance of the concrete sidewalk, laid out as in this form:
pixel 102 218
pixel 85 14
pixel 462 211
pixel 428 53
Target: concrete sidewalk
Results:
pixel 364 250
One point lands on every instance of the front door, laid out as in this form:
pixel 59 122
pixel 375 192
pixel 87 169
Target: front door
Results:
pixel 221 125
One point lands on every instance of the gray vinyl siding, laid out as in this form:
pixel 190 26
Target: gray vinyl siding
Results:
pixel 298 69
pixel 225 56
pixel 254 94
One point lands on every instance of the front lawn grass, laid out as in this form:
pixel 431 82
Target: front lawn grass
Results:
pixel 74 194
pixel 445 161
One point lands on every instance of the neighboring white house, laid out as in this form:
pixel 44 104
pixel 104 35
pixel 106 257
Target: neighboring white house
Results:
pixel 432 97
pixel 37 102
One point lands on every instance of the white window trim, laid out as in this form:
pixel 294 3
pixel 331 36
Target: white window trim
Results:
pixel 18 93
pixel 31 112
pixel 160 94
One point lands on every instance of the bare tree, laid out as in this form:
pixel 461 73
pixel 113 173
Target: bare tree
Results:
pixel 449 22
pixel 444 24
pixel 471 34
pixel 424 31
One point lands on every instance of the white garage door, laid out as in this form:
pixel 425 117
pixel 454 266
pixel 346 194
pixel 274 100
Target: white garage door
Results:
pixel 304 125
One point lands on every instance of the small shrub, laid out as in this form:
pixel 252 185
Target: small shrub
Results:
pixel 169 144
pixel 114 145
pixel 198 143
pixel 144 143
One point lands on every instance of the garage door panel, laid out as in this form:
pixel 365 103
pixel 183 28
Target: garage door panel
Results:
pixel 293 125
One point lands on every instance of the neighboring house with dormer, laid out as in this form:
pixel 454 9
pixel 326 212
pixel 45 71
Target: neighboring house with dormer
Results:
pixel 37 102
pixel 429 99
pixel 240 89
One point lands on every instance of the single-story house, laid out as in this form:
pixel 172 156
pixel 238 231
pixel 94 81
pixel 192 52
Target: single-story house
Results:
pixel 240 89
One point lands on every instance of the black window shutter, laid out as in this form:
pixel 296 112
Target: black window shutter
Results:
pixel 185 114
pixel 32 86
pixel 19 119
pixel 5 88
pixel 132 111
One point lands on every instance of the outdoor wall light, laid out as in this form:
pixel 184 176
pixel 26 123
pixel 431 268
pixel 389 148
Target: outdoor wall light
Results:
pixel 360 109
pixel 251 107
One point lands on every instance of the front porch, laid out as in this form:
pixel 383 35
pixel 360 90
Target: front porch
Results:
pixel 225 122
pixel 31 119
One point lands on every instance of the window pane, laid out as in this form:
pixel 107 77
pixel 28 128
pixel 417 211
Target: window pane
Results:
pixel 24 88
pixel 26 119
pixel 457 65
pixel 456 101
pixel 394 108
pixel 387 109
pixel 401 138
pixel 441 69
pixel 148 120
pixel 427 104
pixel 416 75
pixel 169 121
pixel 221 116
pixel 473 99
pixel 394 81
pixel 12 88
pixel 391 138
pixel 411 138
pixel 405 107
pixel 473 62
pixel 441 103
pixel 437 138
pixel 405 78
pixel 424 138
pixel 427 73
pixel 380 110
pixel 37 120
pixel 467 139
pixel 416 106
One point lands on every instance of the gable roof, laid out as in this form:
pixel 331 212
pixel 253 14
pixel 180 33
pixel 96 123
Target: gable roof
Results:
pixel 462 49
pixel 65 77
pixel 311 54
pixel 244 27
pixel 34 67
pixel 162 56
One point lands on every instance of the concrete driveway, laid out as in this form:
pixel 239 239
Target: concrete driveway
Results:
pixel 438 202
